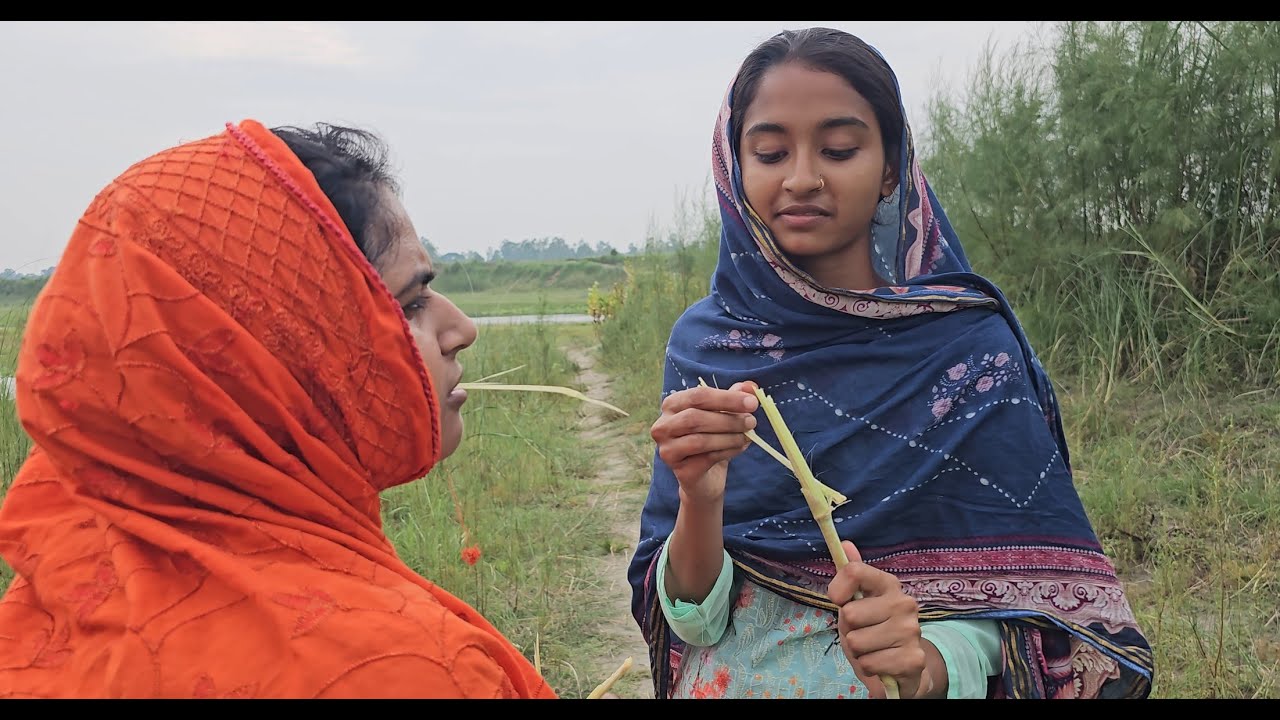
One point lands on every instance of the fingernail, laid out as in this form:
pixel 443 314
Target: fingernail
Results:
pixel 749 403
pixel 751 422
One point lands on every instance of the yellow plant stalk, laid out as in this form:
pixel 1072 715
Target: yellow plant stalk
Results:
pixel 486 378
pixel 603 687
pixel 469 386
pixel 821 500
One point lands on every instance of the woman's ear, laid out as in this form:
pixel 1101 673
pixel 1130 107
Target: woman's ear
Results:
pixel 890 182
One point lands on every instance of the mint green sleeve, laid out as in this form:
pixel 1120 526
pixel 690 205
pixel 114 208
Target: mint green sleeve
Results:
pixel 971 651
pixel 701 624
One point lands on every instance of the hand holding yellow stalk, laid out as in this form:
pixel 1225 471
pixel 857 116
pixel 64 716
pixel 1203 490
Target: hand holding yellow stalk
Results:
pixel 821 499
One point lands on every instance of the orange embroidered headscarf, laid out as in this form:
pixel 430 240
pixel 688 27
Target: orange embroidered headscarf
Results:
pixel 218 385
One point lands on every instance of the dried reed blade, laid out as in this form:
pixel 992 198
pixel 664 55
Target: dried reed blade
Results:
pixel 498 374
pixel 541 388
pixel 603 687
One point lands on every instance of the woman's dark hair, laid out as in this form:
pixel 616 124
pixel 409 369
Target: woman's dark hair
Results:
pixel 352 168
pixel 833 51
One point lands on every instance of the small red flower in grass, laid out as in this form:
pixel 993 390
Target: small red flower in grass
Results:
pixel 471 555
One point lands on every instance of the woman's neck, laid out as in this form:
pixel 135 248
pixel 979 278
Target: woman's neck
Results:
pixel 848 268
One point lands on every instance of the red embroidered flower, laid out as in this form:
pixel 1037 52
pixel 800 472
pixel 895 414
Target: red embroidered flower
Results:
pixel 103 247
pixel 312 606
pixel 52 650
pixel 211 352
pixel 204 433
pixel 471 555
pixel 722 679
pixel 205 688
pixel 27 561
pixel 59 364
pixel 714 688
pixel 102 481
pixel 90 595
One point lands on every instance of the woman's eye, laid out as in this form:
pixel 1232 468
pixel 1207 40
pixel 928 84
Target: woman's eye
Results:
pixel 416 306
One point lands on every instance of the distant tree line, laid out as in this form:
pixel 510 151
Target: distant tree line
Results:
pixel 546 248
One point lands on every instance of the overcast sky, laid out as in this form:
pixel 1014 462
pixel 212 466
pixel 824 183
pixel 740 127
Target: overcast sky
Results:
pixel 500 130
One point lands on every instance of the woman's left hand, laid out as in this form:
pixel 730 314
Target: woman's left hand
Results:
pixel 880 633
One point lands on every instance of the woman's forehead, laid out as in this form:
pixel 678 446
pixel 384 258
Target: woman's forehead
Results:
pixel 406 254
pixel 798 92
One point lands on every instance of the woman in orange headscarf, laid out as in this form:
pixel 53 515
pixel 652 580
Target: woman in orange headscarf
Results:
pixel 238 350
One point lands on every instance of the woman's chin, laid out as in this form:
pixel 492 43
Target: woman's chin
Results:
pixel 451 432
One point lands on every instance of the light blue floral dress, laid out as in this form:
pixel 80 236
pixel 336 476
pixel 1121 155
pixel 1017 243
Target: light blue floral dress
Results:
pixel 745 641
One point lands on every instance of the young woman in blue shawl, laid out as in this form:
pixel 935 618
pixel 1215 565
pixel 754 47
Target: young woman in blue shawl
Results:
pixel 843 292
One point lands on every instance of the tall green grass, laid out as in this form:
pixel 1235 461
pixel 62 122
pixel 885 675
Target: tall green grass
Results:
pixel 1184 492
pixel 1122 182
pixel 14 443
pixel 13 318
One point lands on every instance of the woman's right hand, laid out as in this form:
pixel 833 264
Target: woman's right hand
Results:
pixel 700 430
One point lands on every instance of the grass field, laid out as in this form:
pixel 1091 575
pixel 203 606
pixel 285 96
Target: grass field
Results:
pixel 552 301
